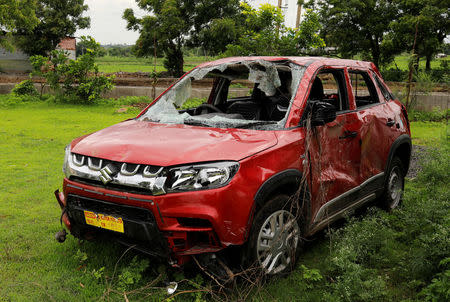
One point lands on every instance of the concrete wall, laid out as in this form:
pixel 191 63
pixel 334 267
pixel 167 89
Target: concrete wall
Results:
pixel 421 102
pixel 16 61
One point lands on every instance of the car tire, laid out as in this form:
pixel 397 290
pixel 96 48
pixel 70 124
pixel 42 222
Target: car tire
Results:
pixel 394 185
pixel 274 242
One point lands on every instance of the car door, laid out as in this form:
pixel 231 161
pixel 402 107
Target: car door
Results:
pixel 335 148
pixel 374 114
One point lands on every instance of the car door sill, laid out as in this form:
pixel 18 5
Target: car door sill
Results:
pixel 325 208
pixel 329 219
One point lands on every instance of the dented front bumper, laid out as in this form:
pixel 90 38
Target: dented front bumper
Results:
pixel 173 226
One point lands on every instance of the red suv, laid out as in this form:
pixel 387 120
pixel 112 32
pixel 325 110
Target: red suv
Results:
pixel 257 152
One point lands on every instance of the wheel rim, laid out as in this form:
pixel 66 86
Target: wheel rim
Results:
pixel 395 186
pixel 277 241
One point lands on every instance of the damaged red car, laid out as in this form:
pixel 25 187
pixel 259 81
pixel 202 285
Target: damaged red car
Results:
pixel 254 153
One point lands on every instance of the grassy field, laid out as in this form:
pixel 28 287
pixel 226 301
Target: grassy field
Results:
pixel 132 64
pixel 402 62
pixel 34 267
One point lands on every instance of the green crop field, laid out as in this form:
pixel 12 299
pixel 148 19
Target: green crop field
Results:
pixel 110 64
pixel 375 257
pixel 402 62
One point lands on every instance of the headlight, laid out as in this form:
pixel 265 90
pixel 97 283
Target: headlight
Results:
pixel 66 168
pixel 200 177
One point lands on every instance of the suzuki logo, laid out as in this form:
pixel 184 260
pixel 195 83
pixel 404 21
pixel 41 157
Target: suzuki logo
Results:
pixel 108 173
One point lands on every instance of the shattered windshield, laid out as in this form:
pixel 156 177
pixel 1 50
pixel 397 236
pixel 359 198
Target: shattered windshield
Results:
pixel 249 94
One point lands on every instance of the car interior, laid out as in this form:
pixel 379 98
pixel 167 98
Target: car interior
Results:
pixel 329 86
pixel 251 103
pixel 363 89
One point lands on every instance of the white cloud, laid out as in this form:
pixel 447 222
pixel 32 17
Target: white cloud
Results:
pixel 107 25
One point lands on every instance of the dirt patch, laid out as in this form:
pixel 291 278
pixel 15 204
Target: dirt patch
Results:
pixel 418 154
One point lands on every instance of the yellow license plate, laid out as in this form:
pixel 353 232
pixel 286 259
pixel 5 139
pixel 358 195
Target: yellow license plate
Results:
pixel 104 221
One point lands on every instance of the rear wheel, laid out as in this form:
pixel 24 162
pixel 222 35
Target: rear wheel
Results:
pixel 394 185
pixel 274 242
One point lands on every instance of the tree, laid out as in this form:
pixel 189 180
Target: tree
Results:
pixel 432 20
pixel 264 33
pixel 358 26
pixel 15 14
pixel 173 24
pixel 57 19
pixel 73 80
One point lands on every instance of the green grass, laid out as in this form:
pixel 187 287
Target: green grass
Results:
pixel 111 64
pixel 34 267
pixel 429 133
pixel 132 64
pixel 402 62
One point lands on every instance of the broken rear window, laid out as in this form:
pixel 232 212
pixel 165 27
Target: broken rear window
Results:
pixel 249 94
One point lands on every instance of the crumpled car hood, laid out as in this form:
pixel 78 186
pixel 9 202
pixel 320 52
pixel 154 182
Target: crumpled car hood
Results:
pixel 142 142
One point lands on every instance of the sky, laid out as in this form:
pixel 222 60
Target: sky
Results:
pixel 108 27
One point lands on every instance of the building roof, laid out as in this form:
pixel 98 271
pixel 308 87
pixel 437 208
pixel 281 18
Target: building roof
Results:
pixel 68 43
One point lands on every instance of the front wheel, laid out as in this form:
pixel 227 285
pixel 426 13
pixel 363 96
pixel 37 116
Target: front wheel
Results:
pixel 274 242
pixel 394 185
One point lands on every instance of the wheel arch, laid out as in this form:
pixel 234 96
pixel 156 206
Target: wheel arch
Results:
pixel 401 148
pixel 285 182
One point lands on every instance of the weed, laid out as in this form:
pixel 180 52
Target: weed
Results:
pixel 131 275
pixel 25 87
pixel 438 289
pixel 81 257
pixel 429 116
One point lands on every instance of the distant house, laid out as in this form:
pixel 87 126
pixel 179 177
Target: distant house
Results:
pixel 69 44
pixel 18 61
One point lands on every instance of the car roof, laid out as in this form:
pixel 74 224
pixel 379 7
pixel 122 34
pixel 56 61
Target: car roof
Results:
pixel 305 61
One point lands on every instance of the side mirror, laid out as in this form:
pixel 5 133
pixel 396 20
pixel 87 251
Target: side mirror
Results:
pixel 322 113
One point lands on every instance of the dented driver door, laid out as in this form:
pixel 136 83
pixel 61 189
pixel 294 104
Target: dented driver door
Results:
pixel 335 150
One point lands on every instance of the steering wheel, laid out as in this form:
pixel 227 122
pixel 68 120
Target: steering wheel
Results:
pixel 208 107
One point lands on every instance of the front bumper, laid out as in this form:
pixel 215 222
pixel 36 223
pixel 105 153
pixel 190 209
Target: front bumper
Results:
pixel 172 225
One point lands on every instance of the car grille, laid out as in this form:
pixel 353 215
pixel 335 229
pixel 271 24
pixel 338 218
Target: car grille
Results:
pixel 111 186
pixel 119 176
pixel 139 223
pixel 128 169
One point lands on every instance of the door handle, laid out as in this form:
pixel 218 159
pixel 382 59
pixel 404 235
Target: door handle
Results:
pixel 390 122
pixel 349 134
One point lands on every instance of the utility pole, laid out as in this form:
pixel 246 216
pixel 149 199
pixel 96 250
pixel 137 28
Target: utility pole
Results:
pixel 278 27
pixel 299 13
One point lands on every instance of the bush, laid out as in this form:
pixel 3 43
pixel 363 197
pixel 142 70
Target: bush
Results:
pixel 438 289
pixel 25 88
pixel 75 81
pixel 394 75
pixel 428 116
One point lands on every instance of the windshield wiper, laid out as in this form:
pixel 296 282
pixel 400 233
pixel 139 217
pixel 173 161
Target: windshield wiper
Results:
pixel 195 123
pixel 252 124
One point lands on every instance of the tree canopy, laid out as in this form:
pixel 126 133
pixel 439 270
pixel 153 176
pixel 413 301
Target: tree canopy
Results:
pixel 357 26
pixel 264 33
pixel 381 29
pixel 173 24
pixel 16 14
pixel 56 19
pixel 431 17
